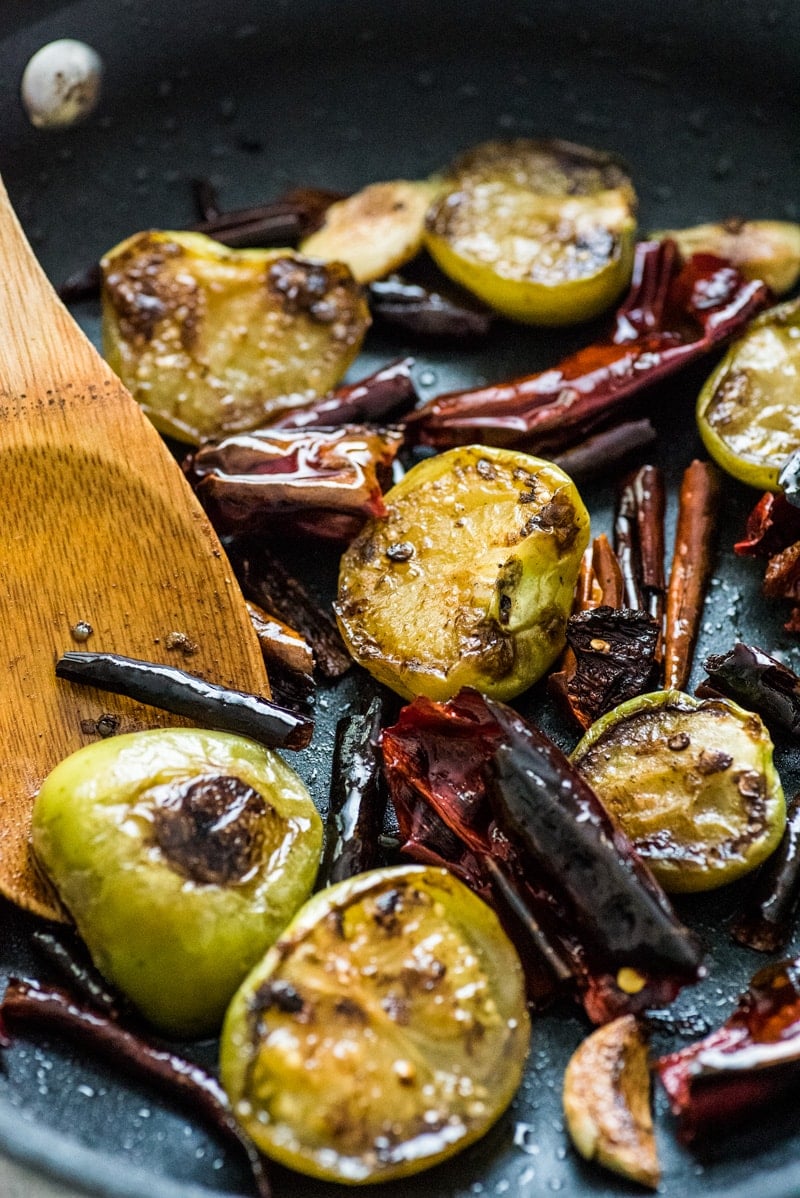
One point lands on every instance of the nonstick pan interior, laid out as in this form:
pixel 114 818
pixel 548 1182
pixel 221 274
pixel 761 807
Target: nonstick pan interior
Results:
pixel 702 99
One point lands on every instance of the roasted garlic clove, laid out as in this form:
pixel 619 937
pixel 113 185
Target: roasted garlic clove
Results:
pixel 375 231
pixel 607 1102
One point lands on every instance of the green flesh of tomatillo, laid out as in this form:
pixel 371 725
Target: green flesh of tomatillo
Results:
pixel 469 578
pixel 386 1029
pixel 691 782
pixel 748 411
pixel 181 855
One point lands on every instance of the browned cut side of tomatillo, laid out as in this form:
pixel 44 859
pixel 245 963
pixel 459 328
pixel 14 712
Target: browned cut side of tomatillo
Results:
pixel 212 340
pixel 542 231
pixel 607 1102
pixel 692 783
pixel 469 579
pixel 383 1032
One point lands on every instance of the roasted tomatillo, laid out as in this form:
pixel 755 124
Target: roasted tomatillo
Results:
pixel 542 231
pixel 386 1029
pixel 748 412
pixel 181 855
pixel 691 782
pixel 469 579
pixel 213 341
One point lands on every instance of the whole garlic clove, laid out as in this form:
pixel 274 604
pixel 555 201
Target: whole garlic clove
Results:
pixel 61 84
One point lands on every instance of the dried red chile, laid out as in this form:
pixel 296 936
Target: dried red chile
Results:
pixel 766 922
pixel 614 660
pixel 316 481
pixel 759 682
pixel 477 788
pixel 673 314
pixel 28 1004
pixel 747 1063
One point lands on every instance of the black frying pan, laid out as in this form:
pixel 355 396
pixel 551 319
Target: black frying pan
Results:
pixel 701 97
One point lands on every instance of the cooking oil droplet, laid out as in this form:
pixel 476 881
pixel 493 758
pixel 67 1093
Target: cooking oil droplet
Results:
pixel 525 1138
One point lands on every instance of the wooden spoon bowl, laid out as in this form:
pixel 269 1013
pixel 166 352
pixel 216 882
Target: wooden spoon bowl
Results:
pixel 98 527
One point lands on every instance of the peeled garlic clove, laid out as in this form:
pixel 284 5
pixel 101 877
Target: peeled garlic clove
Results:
pixel 607 1102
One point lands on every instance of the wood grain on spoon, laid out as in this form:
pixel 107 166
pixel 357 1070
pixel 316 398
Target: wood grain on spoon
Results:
pixel 97 527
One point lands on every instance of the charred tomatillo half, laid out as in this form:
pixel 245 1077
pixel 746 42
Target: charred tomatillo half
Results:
pixel 542 231
pixel 181 855
pixel 212 340
pixel 469 579
pixel 386 1029
pixel 748 412
pixel 692 783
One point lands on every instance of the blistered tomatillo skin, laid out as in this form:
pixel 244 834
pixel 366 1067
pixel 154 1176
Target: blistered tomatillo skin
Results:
pixel 181 855
pixel 691 782
pixel 385 1031
pixel 469 579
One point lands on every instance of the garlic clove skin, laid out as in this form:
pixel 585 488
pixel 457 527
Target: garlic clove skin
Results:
pixel 61 84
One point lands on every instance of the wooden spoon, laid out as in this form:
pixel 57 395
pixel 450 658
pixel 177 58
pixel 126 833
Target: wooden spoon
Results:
pixel 98 527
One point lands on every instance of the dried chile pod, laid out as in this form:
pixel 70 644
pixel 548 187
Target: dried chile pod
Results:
pixel 357 801
pixel 428 840
pixel 760 682
pixel 773 525
pixel 271 481
pixel 438 763
pixel 626 546
pixel 548 809
pixel 605 448
pixel 280 644
pixel 431 314
pixel 388 390
pixel 29 1004
pixel 692 562
pixel 767 920
pixel 673 314
pixel 173 690
pixel 614 659
pixel 267 582
pixel 744 1065
pixel 68 955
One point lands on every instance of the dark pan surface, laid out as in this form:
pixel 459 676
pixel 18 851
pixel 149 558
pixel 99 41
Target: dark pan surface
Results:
pixel 701 98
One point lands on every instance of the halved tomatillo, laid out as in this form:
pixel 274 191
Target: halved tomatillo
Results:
pixel 542 231
pixel 383 1032
pixel 469 578
pixel 181 855
pixel 748 411
pixel 213 341
pixel 692 783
